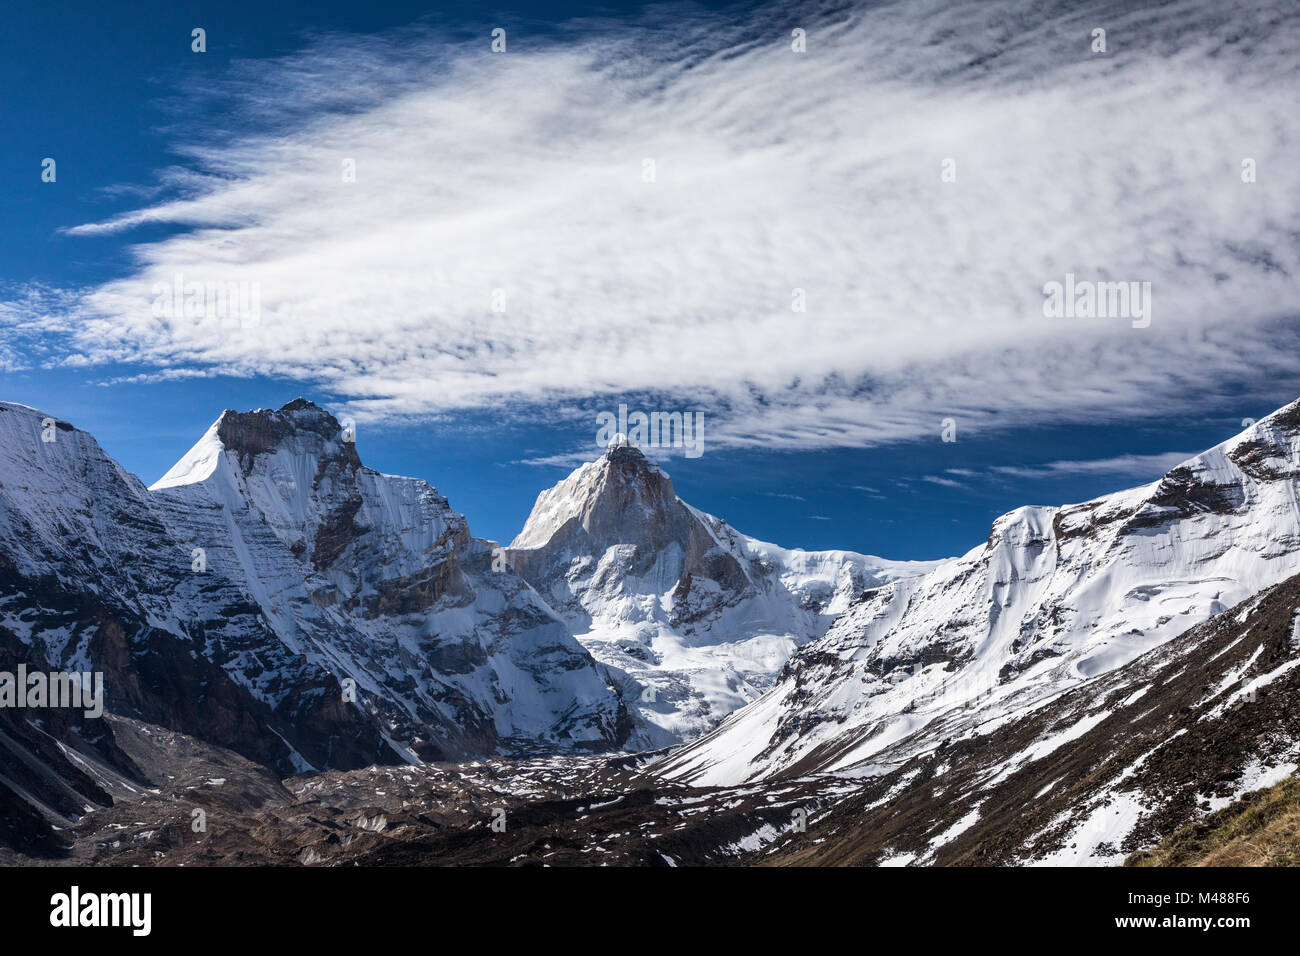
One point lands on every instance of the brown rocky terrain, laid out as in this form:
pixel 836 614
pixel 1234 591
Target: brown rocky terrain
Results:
pixel 1156 743
pixel 557 811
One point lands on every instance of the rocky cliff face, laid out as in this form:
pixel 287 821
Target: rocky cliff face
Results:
pixel 698 615
pixel 96 574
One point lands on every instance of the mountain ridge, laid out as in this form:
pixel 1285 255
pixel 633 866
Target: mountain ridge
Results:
pixel 1073 689
pixel 286 566
pixel 1054 597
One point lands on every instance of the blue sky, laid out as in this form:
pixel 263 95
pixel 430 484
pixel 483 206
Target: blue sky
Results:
pixel 524 173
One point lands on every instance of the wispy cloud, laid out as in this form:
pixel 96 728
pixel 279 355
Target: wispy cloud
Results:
pixel 1133 466
pixel 520 175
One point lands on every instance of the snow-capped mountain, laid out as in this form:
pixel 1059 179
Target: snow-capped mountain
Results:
pixel 273 594
pixel 95 576
pixel 377 578
pixel 1055 597
pixel 1088 680
pixel 698 615
pixel 1109 767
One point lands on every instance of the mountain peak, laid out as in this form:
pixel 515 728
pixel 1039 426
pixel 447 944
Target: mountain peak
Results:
pixel 297 415
pixel 606 498
pixel 625 454
pixel 299 404
pixel 252 433
pixel 299 427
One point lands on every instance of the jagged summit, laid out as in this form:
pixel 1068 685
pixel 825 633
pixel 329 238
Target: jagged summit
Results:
pixel 622 448
pixel 625 453
pixel 297 416
pixel 298 428
pixel 700 616
pixel 300 424
pixel 620 498
pixel 300 403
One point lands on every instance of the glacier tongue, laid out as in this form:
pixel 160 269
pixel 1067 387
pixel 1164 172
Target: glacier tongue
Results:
pixel 698 616
pixel 1056 596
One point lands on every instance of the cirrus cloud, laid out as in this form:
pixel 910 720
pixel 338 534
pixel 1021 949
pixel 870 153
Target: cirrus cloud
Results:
pixel 520 176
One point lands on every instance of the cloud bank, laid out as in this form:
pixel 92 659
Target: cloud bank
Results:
pixel 518 181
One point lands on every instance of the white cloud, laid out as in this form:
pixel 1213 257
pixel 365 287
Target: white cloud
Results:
pixel 1136 466
pixel 944 482
pixel 820 171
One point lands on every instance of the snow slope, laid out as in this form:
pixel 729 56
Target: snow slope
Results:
pixel 380 579
pixel 1055 597
pixel 1109 767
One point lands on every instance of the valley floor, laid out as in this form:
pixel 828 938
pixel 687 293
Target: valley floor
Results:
pixel 551 811
pixel 213 808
